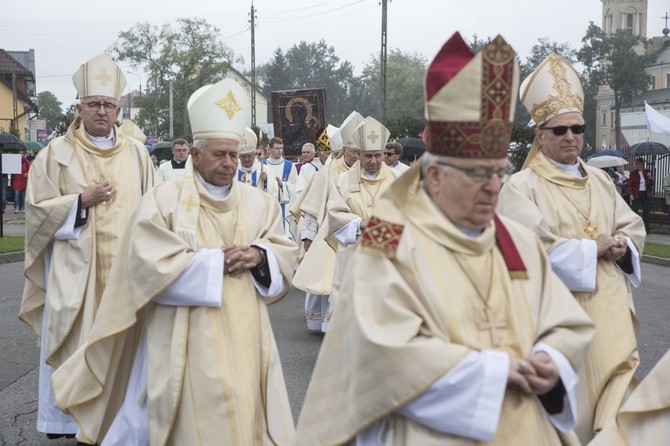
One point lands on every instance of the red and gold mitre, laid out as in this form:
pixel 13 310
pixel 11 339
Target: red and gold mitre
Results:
pixel 470 99
pixel 322 141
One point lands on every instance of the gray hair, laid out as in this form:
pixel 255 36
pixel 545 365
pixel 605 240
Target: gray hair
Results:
pixel 199 144
pixel 309 144
pixel 430 158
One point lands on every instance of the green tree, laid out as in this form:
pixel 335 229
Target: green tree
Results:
pixel 617 60
pixel 312 65
pixel 49 109
pixel 405 74
pixel 65 120
pixel 188 53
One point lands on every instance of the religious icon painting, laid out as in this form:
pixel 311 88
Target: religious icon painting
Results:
pixel 297 116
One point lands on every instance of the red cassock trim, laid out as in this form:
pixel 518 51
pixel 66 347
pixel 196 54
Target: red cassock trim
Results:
pixel 508 249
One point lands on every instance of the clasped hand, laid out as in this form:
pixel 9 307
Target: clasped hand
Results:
pixel 537 375
pixel 611 248
pixel 238 259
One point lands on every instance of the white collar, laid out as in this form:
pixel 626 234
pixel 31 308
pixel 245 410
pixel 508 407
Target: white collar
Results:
pixel 102 142
pixel 217 192
pixel 570 169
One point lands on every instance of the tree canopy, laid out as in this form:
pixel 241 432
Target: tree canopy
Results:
pixel 49 109
pixel 617 60
pixel 189 54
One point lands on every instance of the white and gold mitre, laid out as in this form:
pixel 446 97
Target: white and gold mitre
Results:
pixel 249 141
pixel 335 137
pixel 221 110
pixel 371 135
pixel 552 89
pixel 100 76
pixel 129 128
pixel 348 128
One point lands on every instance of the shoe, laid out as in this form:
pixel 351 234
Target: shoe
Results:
pixel 56 436
pixel 16 211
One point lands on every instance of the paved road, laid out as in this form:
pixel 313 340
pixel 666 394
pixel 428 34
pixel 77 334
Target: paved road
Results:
pixel 298 349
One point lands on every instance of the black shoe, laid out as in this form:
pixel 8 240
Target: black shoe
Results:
pixel 56 436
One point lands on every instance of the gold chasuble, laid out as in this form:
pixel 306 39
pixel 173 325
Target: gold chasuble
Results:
pixel 353 195
pixel 315 272
pixel 559 207
pixel 419 296
pixel 78 268
pixel 214 375
pixel 644 419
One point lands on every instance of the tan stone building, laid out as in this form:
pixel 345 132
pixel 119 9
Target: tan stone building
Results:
pixel 632 16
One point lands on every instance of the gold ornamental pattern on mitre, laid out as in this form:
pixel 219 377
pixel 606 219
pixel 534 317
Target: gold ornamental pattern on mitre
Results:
pixel 229 104
pixel 566 99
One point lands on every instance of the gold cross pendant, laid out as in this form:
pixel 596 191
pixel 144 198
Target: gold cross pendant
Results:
pixel 589 229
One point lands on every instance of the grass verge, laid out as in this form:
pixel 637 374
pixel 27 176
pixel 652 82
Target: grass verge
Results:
pixel 657 250
pixel 11 244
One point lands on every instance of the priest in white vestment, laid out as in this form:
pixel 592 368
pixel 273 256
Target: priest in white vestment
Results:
pixel 182 351
pixel 353 197
pixel 249 169
pixel 315 273
pixel 82 189
pixel 281 183
pixel 175 167
pixel 451 328
pixel 591 235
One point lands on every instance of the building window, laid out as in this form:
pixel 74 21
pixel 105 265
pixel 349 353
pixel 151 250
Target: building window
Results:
pixel 630 22
pixel 608 24
pixel 667 80
pixel 653 83
pixel 604 119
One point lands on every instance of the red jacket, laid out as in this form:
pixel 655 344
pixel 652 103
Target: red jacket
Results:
pixel 634 183
pixel 20 181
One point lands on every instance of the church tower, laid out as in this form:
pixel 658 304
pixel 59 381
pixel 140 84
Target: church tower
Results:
pixel 630 15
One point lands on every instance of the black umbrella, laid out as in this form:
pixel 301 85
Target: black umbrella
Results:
pixel 412 147
pixel 608 152
pixel 11 142
pixel 162 150
pixel 648 148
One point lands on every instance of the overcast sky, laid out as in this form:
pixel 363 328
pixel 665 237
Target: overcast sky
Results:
pixel 65 34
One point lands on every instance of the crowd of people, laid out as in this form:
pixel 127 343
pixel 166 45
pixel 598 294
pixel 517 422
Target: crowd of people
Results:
pixel 461 303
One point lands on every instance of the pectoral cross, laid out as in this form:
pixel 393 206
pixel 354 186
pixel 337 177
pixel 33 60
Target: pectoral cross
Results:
pixel 491 327
pixel 103 77
pixel 589 229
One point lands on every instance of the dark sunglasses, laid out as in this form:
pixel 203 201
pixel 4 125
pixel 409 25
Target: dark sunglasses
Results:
pixel 389 153
pixel 561 130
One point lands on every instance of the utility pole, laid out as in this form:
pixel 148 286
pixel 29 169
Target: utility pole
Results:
pixel 382 62
pixel 253 65
pixel 171 112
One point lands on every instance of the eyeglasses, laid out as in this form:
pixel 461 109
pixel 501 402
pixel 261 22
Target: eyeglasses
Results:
pixel 389 153
pixel 95 106
pixel 561 130
pixel 482 174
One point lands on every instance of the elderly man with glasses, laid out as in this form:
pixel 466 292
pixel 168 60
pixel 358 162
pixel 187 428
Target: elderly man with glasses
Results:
pixel 82 189
pixel 451 327
pixel 591 235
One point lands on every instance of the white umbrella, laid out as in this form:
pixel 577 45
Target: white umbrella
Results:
pixel 606 161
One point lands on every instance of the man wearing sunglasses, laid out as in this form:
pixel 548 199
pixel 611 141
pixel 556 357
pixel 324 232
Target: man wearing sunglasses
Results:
pixel 592 236
pixel 82 189
pixel 392 155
